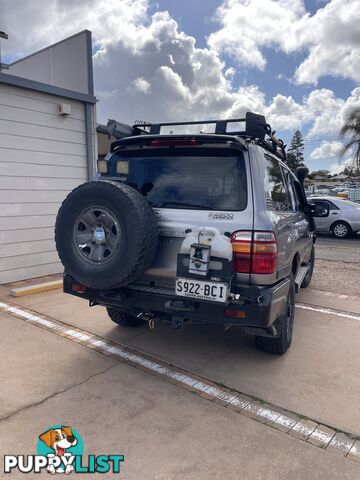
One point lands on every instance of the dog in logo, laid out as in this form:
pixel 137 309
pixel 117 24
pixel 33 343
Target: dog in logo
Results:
pixel 59 439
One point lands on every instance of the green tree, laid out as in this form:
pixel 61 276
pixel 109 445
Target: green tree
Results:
pixel 295 153
pixel 351 132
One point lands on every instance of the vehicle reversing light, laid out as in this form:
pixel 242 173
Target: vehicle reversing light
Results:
pixel 241 245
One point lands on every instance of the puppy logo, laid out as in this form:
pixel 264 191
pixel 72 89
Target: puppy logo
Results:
pixel 60 449
pixel 59 439
pixel 58 443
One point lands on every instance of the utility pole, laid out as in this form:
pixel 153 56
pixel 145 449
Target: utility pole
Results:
pixel 5 36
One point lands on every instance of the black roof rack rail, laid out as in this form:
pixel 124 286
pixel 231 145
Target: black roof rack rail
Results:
pixel 122 130
pixel 256 129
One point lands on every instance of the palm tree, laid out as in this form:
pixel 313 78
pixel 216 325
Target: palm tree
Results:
pixel 351 131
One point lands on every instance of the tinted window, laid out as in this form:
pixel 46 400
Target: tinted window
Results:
pixel 214 183
pixel 333 206
pixel 275 189
pixel 290 189
pixel 321 207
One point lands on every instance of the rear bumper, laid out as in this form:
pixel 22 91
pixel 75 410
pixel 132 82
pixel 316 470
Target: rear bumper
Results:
pixel 259 307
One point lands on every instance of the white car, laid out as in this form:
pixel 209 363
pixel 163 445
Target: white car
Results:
pixel 339 217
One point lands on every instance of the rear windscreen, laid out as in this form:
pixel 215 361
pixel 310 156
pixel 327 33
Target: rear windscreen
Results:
pixel 203 182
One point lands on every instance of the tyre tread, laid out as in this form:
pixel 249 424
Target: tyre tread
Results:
pixel 144 245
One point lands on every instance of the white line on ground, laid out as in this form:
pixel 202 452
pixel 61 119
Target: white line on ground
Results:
pixel 268 414
pixel 341 296
pixel 328 311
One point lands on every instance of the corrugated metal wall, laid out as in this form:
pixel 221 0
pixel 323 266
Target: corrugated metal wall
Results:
pixel 42 158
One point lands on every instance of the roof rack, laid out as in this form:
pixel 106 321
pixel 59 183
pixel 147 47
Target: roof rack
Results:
pixel 256 130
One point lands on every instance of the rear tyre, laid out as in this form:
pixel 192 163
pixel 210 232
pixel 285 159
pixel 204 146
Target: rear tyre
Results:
pixel 284 326
pixel 123 319
pixel 341 230
pixel 307 279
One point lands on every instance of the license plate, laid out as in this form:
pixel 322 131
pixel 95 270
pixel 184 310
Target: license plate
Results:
pixel 203 290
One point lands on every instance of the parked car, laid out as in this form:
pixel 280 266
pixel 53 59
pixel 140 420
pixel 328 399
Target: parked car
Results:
pixel 338 217
pixel 203 228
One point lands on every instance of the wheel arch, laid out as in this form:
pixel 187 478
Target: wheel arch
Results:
pixel 295 263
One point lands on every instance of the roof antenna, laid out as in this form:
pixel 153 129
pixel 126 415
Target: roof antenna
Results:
pixel 3 65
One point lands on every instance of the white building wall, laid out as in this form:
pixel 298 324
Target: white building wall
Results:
pixel 42 158
pixel 66 64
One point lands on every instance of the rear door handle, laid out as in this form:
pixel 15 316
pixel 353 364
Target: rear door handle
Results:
pixel 334 213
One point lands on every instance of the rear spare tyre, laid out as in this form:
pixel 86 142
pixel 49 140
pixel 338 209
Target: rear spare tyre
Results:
pixel 105 234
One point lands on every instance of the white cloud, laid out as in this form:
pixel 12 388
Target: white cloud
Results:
pixel 230 72
pixel 337 168
pixel 327 150
pixel 333 37
pixel 285 113
pixel 250 25
pixel 31 25
pixel 330 37
pixel 147 68
pixel 141 85
pixel 329 112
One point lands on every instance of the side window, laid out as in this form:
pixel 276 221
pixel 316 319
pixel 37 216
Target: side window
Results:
pixel 321 206
pixel 298 198
pixel 290 189
pixel 275 189
pixel 333 206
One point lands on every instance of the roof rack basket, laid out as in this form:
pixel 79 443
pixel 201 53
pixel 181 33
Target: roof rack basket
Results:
pixel 256 129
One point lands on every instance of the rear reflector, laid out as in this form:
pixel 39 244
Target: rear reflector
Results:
pixel 234 313
pixel 172 143
pixel 76 287
pixel 254 252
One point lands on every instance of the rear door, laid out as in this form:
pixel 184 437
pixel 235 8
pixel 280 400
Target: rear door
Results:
pixel 302 236
pixel 188 188
pixel 322 224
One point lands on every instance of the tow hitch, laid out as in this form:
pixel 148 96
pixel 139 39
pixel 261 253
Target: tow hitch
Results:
pixel 147 317
pixel 177 323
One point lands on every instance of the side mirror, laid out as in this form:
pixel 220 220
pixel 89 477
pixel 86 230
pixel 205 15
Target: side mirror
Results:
pixel 319 210
pixel 301 173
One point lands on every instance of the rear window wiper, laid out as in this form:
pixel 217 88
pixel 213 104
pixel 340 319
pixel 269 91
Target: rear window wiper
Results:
pixel 180 204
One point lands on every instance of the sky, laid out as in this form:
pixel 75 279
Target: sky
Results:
pixel 296 61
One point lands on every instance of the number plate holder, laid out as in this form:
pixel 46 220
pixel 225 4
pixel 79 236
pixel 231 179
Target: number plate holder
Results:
pixel 199 259
pixel 202 289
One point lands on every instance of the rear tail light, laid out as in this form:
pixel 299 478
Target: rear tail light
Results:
pixel 264 257
pixel 254 252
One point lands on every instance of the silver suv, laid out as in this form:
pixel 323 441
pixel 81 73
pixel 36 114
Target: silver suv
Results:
pixel 193 227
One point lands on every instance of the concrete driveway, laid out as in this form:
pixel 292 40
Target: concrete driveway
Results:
pixel 164 430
